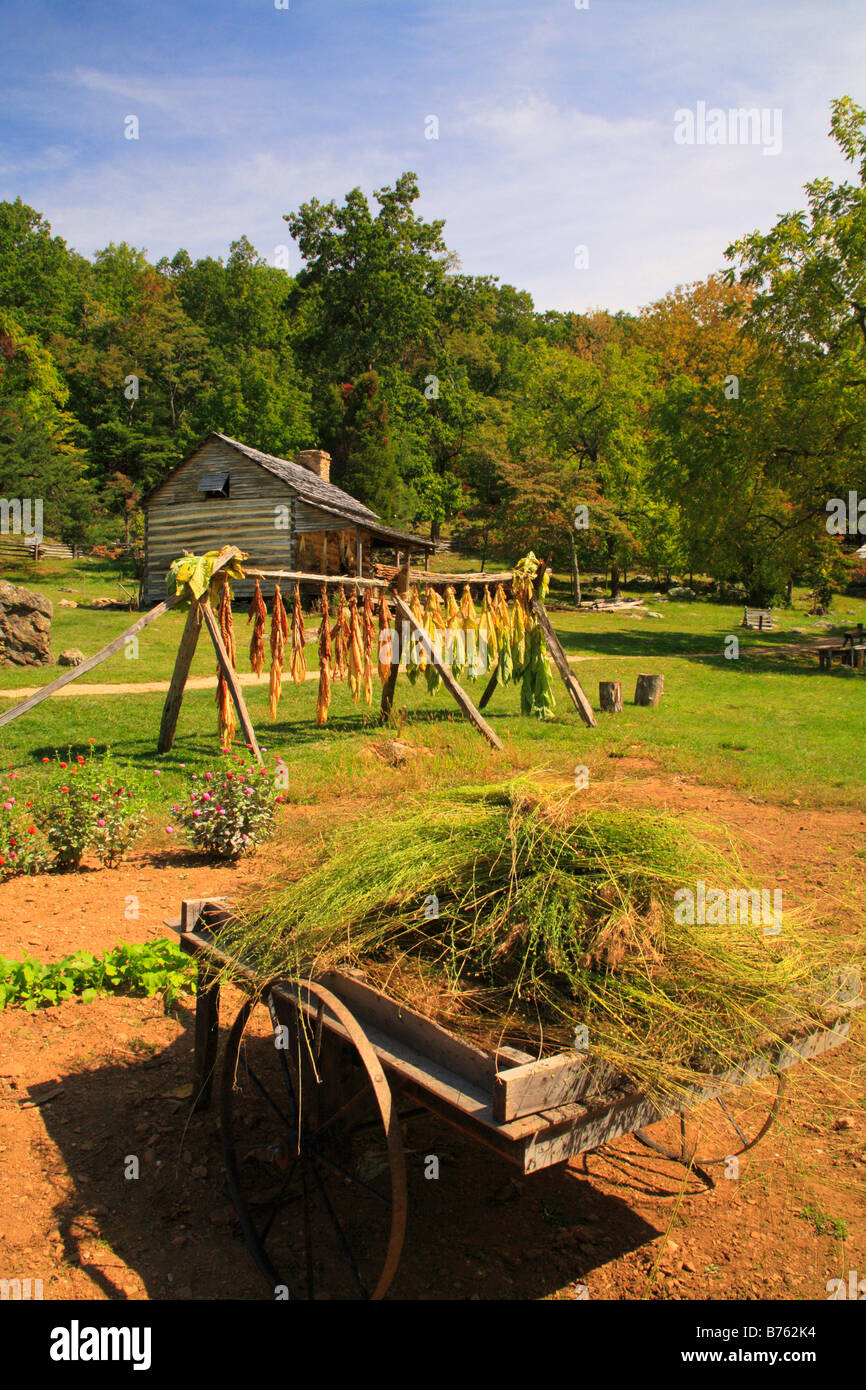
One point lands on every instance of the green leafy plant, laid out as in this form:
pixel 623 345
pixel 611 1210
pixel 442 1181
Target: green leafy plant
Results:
pixel 141 969
pixel 229 813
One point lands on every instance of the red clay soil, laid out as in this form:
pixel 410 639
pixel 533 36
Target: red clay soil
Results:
pixel 82 1086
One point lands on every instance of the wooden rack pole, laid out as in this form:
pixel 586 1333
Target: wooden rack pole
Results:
pixel 75 671
pixel 436 581
pixel 332 579
pixel 183 662
pixel 572 685
pixel 231 680
pixel 114 646
pixel 455 690
pixel 401 586
pixel 489 689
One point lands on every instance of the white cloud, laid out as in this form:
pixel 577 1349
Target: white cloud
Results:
pixel 556 130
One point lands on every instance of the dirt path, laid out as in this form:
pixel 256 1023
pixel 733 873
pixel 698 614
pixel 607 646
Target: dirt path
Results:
pixel 84 1086
pixel 248 678
pixel 140 687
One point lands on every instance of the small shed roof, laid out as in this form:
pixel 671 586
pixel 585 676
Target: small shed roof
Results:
pixel 326 496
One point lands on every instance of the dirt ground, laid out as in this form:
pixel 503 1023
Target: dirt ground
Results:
pixel 84 1086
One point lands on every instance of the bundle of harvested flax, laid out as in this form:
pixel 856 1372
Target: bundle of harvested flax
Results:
pixel 546 918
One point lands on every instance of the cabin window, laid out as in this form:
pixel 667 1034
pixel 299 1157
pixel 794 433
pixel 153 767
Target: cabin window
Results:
pixel 214 485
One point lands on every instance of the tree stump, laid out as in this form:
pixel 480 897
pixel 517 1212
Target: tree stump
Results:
pixel 648 690
pixel 610 696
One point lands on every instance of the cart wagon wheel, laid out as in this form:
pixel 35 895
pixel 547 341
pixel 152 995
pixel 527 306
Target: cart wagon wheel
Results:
pixel 312 1147
pixel 720 1129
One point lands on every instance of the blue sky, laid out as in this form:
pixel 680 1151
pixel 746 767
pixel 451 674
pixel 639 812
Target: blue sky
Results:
pixel 556 124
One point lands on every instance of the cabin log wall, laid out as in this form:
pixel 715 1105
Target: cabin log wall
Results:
pixel 179 518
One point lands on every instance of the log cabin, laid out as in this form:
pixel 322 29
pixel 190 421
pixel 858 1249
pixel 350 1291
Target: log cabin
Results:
pixel 286 514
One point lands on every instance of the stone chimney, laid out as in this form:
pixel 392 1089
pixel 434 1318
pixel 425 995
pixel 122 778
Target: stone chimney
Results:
pixel 317 461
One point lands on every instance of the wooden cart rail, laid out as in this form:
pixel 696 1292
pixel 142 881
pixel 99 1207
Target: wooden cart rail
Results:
pixel 535 1113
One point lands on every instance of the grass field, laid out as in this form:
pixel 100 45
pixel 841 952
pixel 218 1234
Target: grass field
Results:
pixel 769 723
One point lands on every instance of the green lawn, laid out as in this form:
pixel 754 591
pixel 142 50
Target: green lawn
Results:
pixel 772 725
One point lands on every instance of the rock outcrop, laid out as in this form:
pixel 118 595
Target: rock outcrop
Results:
pixel 25 626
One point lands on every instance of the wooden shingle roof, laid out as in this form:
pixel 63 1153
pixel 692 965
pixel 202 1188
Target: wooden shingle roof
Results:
pixel 326 496
pixel 304 482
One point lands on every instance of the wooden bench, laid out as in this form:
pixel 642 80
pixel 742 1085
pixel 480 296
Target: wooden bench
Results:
pixel 851 651
pixel 761 619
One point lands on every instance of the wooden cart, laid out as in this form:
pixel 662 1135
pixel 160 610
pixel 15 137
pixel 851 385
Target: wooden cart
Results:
pixel 312 1136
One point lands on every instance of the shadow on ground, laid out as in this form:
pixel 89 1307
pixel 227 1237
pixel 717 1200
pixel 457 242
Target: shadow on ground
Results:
pixel 481 1230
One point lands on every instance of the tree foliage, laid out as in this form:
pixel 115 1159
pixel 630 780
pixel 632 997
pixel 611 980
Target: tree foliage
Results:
pixel 705 435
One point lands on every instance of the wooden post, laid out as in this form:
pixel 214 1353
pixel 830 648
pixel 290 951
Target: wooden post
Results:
pixel 207 1032
pixel 572 685
pixel 183 662
pixel 455 690
pixel 359 553
pixel 649 690
pixel 401 586
pixel 231 681
pixel 610 696
pixel 489 689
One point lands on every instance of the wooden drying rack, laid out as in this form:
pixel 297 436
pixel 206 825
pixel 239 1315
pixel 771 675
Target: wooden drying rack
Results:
pixel 201 613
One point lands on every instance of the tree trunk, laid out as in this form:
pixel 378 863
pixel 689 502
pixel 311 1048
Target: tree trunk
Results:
pixel 649 690
pixel 575 569
pixel 614 568
pixel 610 696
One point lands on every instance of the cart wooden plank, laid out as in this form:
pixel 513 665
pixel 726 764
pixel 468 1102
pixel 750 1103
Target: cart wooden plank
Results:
pixel 608 1119
pixel 568 1077
pixel 371 1006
